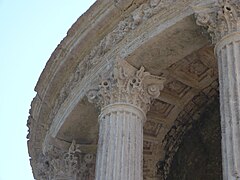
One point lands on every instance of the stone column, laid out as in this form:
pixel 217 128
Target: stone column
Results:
pixel 124 100
pixel 224 27
pixel 120 142
pixel 228 55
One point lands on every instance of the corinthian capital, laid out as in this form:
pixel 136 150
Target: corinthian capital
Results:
pixel 127 85
pixel 219 17
pixel 61 164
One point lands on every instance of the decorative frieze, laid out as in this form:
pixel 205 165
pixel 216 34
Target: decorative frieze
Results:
pixel 141 14
pixel 126 87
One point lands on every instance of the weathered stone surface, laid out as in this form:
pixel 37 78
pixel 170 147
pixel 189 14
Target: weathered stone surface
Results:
pixel 184 122
pixel 160 35
pixel 223 24
pixel 221 17
pixel 72 164
pixel 124 98
pixel 199 154
pixel 228 58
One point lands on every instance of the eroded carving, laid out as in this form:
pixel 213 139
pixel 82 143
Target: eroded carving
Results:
pixel 127 85
pixel 137 17
pixel 73 164
pixel 124 27
pixel 220 18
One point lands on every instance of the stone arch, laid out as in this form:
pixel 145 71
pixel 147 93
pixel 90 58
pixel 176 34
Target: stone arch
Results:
pixel 164 39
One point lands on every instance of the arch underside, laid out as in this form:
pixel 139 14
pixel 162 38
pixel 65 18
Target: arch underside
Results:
pixel 192 85
pixel 199 153
pixel 180 105
pixel 180 53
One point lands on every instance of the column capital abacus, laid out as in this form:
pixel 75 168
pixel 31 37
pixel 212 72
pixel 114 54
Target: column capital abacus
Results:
pixel 127 85
pixel 221 18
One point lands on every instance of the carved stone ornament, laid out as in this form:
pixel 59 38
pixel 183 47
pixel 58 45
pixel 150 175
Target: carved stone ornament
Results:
pixel 127 85
pixel 140 15
pixel 74 165
pixel 220 18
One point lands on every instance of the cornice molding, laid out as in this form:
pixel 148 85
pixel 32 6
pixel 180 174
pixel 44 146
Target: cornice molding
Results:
pixel 140 15
pixel 83 70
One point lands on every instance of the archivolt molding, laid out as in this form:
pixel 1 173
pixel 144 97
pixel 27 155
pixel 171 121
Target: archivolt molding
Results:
pixel 137 17
pixel 94 59
pixel 144 12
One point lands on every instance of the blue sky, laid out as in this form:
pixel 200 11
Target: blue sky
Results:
pixel 29 32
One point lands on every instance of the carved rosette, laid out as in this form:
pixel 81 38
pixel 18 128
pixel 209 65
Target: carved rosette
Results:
pixel 220 19
pixel 127 85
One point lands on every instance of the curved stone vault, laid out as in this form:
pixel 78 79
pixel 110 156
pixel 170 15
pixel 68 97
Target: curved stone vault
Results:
pixel 199 154
pixel 160 35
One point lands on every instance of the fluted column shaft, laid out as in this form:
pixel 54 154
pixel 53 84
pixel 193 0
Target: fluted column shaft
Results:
pixel 222 20
pixel 124 99
pixel 120 143
pixel 228 55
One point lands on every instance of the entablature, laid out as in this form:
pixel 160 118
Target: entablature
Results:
pixel 152 33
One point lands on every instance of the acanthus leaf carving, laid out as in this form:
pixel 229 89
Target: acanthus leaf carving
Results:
pixel 144 12
pixel 127 85
pixel 220 18
pixel 73 164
